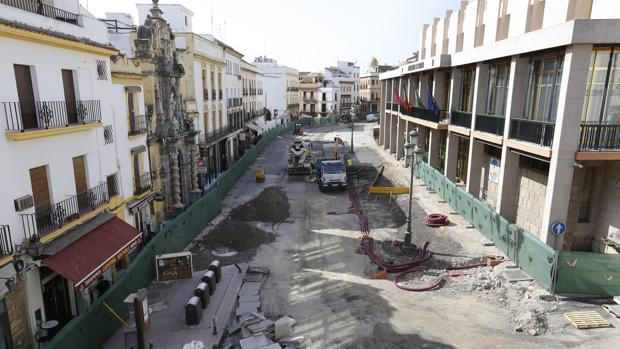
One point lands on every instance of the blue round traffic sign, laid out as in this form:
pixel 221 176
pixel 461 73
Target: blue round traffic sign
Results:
pixel 558 228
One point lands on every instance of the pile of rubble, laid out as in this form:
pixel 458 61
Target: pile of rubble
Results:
pixel 252 328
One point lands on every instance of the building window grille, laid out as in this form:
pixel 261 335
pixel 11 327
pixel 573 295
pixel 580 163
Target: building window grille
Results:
pixel 108 134
pixel 102 70
pixel 112 182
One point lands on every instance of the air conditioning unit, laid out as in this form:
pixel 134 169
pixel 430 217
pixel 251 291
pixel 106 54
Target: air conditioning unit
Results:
pixel 23 203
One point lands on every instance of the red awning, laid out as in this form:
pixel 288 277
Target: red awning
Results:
pixel 88 257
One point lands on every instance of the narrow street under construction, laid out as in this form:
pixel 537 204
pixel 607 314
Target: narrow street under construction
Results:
pixel 317 247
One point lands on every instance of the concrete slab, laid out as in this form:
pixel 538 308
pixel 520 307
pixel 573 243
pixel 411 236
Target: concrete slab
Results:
pixel 254 298
pixel 272 346
pixel 168 328
pixel 283 327
pixel 246 308
pixel 515 275
pixel 249 292
pixel 255 342
pixel 264 325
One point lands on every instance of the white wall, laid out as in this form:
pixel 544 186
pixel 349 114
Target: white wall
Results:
pixel 90 27
pixel 605 9
pixel 57 151
pixel 174 14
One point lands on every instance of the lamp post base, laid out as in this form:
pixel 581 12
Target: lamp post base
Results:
pixel 407 239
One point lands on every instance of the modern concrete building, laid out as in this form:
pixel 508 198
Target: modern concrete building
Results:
pixel 280 87
pixel 369 86
pixel 75 148
pixel 517 102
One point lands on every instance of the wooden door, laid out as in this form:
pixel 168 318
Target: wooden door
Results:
pixel 79 174
pixel 25 94
pixel 40 188
pixel 41 196
pixel 70 100
pixel 81 185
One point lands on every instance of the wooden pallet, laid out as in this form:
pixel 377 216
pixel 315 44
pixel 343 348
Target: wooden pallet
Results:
pixel 586 319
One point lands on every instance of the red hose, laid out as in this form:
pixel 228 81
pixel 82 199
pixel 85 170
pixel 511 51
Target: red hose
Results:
pixel 403 269
pixel 436 220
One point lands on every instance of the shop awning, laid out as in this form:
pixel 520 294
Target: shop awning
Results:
pixel 255 127
pixel 84 259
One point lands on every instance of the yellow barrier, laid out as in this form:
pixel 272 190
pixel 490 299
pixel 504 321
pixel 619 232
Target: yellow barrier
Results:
pixel 389 190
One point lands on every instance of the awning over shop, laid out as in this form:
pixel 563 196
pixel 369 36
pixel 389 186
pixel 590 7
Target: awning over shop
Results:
pixel 255 127
pixel 84 259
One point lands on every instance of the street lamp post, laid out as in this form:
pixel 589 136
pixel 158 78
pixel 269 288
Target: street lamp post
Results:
pixel 352 112
pixel 411 152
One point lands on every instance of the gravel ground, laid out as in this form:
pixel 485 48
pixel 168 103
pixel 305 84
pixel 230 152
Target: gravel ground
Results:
pixel 318 278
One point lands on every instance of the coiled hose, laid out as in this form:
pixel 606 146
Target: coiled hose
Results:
pixel 424 253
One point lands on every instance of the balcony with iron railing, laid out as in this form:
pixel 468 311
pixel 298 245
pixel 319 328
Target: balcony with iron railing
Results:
pixel 460 118
pixel 6 241
pixel 142 183
pixel 49 219
pixel 492 124
pixel 20 117
pixel 208 137
pixel 137 125
pixel 42 9
pixel 532 131
pixel 422 113
pixel 597 137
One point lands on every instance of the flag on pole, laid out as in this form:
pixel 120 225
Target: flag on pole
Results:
pixel 406 105
pixel 432 103
pixel 418 101
pixel 397 99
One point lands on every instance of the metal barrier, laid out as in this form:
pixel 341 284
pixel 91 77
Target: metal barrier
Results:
pixel 92 328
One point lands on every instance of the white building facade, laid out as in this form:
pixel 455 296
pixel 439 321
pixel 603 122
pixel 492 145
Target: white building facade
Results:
pixel 281 85
pixel 67 137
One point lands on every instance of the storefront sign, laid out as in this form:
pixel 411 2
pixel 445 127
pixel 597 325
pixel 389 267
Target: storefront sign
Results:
pixel 80 286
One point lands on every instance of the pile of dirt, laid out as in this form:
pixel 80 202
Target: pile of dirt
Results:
pixel 271 205
pixel 393 252
pixel 232 235
pixel 484 279
pixel 530 321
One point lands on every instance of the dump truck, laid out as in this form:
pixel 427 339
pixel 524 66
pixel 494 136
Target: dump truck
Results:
pixel 331 171
pixel 299 158
pixel 331 174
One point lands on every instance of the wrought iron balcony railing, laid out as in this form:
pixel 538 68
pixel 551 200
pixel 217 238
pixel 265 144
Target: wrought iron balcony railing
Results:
pixel 49 114
pixel 490 124
pixel 42 9
pixel 460 118
pixel 532 131
pixel 142 183
pixel 422 113
pixel 48 219
pixel 6 241
pixel 212 136
pixel 595 137
pixel 137 124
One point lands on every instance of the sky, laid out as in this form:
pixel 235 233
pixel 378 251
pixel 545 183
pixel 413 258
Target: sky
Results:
pixel 307 34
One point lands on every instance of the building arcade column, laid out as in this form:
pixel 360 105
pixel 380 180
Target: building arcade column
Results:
pixel 508 187
pixel 565 139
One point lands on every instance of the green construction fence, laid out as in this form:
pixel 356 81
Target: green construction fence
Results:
pixel 531 254
pixel 92 328
pixel 576 273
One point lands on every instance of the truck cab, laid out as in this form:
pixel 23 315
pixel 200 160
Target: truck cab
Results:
pixel 331 174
